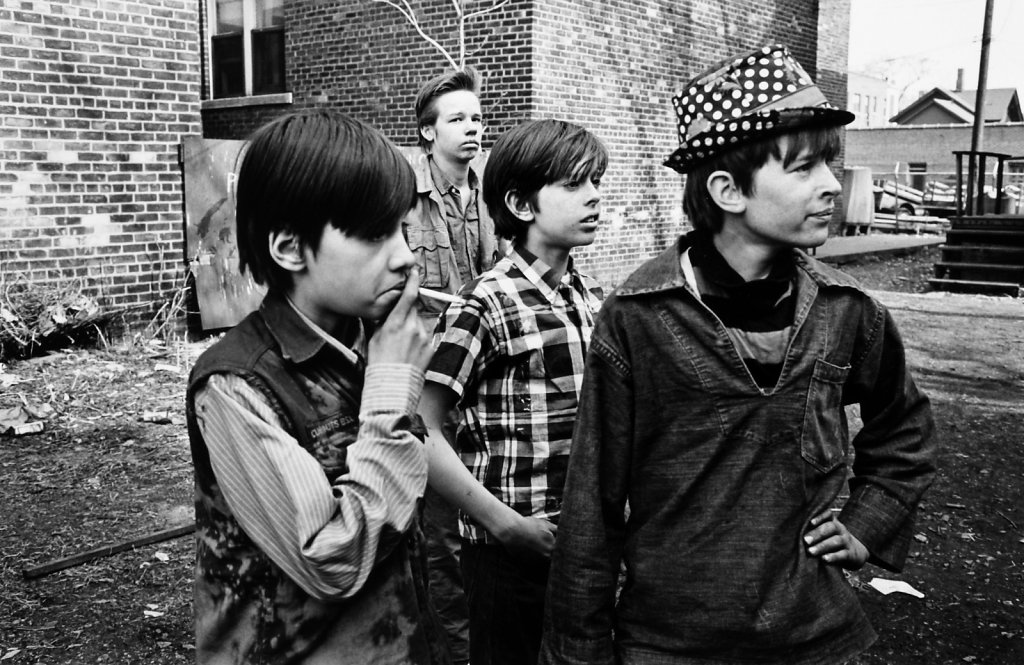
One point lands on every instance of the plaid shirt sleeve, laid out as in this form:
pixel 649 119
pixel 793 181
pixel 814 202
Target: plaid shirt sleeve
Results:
pixel 464 343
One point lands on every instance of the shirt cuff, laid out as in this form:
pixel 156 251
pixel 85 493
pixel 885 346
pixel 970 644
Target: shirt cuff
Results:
pixel 391 387
pixel 882 523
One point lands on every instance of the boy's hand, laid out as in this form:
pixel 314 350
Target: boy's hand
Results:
pixel 834 543
pixel 401 338
pixel 529 536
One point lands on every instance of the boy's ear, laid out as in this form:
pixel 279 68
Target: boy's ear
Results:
pixel 427 132
pixel 519 205
pixel 286 251
pixel 725 193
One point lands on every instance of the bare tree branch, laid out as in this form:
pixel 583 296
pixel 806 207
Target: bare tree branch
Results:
pixel 459 5
pixel 410 16
pixel 492 8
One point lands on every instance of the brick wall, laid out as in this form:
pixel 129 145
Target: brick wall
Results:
pixel 610 65
pixel 613 66
pixel 96 96
pixel 364 58
pixel 880 149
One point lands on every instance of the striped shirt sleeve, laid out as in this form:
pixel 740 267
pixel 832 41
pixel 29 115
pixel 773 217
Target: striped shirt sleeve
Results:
pixel 327 539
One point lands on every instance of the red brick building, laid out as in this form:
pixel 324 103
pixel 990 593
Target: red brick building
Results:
pixel 101 94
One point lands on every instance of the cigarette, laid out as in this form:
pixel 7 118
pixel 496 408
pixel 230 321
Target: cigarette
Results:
pixel 439 295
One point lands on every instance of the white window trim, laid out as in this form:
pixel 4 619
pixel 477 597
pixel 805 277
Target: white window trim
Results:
pixel 239 102
pixel 248 99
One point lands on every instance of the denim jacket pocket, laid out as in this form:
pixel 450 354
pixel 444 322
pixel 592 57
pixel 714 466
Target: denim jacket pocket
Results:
pixel 432 254
pixel 823 443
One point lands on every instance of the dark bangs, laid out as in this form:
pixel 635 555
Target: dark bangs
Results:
pixel 321 167
pixel 576 156
pixel 821 144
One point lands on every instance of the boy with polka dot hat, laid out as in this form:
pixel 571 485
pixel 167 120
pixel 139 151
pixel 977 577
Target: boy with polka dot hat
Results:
pixel 713 405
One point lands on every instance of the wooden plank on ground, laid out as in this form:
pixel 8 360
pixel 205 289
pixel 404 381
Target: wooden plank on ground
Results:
pixel 106 550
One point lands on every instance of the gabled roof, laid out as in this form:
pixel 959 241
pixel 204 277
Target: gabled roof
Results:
pixel 1001 105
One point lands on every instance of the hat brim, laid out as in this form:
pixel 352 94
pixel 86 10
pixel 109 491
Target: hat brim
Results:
pixel 735 132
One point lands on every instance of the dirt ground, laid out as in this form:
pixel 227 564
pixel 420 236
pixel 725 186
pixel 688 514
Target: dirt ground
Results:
pixel 113 465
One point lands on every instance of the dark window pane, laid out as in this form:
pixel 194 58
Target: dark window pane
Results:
pixel 267 61
pixel 228 61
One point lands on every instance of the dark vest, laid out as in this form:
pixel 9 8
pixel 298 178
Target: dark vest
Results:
pixel 247 609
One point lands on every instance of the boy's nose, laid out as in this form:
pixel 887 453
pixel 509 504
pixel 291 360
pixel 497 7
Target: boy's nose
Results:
pixel 830 185
pixel 401 257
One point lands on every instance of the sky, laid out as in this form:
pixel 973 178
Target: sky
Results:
pixel 920 44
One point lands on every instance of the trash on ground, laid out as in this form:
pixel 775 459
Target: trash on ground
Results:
pixel 886 587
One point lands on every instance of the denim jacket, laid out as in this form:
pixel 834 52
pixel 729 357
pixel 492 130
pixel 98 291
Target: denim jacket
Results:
pixel 426 231
pixel 722 478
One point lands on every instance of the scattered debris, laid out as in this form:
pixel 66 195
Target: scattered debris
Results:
pixel 886 587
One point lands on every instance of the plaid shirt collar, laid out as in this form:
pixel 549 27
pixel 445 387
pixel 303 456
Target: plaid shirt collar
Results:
pixel 541 274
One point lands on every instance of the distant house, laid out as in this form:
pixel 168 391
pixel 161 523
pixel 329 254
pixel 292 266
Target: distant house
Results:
pixel 940 106
pixel 871 99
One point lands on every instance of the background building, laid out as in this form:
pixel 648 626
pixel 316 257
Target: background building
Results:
pixel 872 99
pixel 99 95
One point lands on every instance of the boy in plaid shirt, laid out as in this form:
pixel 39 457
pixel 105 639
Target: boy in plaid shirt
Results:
pixel 510 355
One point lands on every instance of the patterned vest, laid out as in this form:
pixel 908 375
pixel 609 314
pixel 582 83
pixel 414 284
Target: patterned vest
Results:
pixel 248 610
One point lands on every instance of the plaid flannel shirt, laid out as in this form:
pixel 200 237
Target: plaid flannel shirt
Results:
pixel 513 351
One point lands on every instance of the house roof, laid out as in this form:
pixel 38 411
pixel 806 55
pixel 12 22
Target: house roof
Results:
pixel 1001 105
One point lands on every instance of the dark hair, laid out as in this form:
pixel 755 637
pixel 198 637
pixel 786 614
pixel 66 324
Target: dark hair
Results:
pixel 534 154
pixel 442 84
pixel 821 143
pixel 305 170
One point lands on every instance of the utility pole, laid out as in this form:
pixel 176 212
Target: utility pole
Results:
pixel 979 99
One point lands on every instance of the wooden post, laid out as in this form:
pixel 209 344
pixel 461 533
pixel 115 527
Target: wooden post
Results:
pixel 977 136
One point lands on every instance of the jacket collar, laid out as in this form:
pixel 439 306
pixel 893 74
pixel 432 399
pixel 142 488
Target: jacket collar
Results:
pixel 421 166
pixel 663 272
pixel 297 340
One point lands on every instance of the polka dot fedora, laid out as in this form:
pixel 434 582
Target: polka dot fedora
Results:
pixel 745 99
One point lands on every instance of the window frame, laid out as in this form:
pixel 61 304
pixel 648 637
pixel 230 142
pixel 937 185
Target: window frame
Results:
pixel 248 64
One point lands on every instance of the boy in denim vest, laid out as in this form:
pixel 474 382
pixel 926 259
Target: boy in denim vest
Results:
pixel 452 236
pixel 713 407
pixel 308 474
pixel 510 354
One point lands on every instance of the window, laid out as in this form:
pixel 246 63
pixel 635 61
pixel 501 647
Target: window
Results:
pixel 918 174
pixel 246 47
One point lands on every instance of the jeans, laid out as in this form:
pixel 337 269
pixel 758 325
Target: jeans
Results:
pixel 441 527
pixel 440 523
pixel 506 604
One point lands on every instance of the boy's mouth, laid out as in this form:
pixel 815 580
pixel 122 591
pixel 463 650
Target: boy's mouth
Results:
pixel 592 220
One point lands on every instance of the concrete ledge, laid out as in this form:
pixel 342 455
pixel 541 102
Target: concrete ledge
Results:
pixel 844 249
